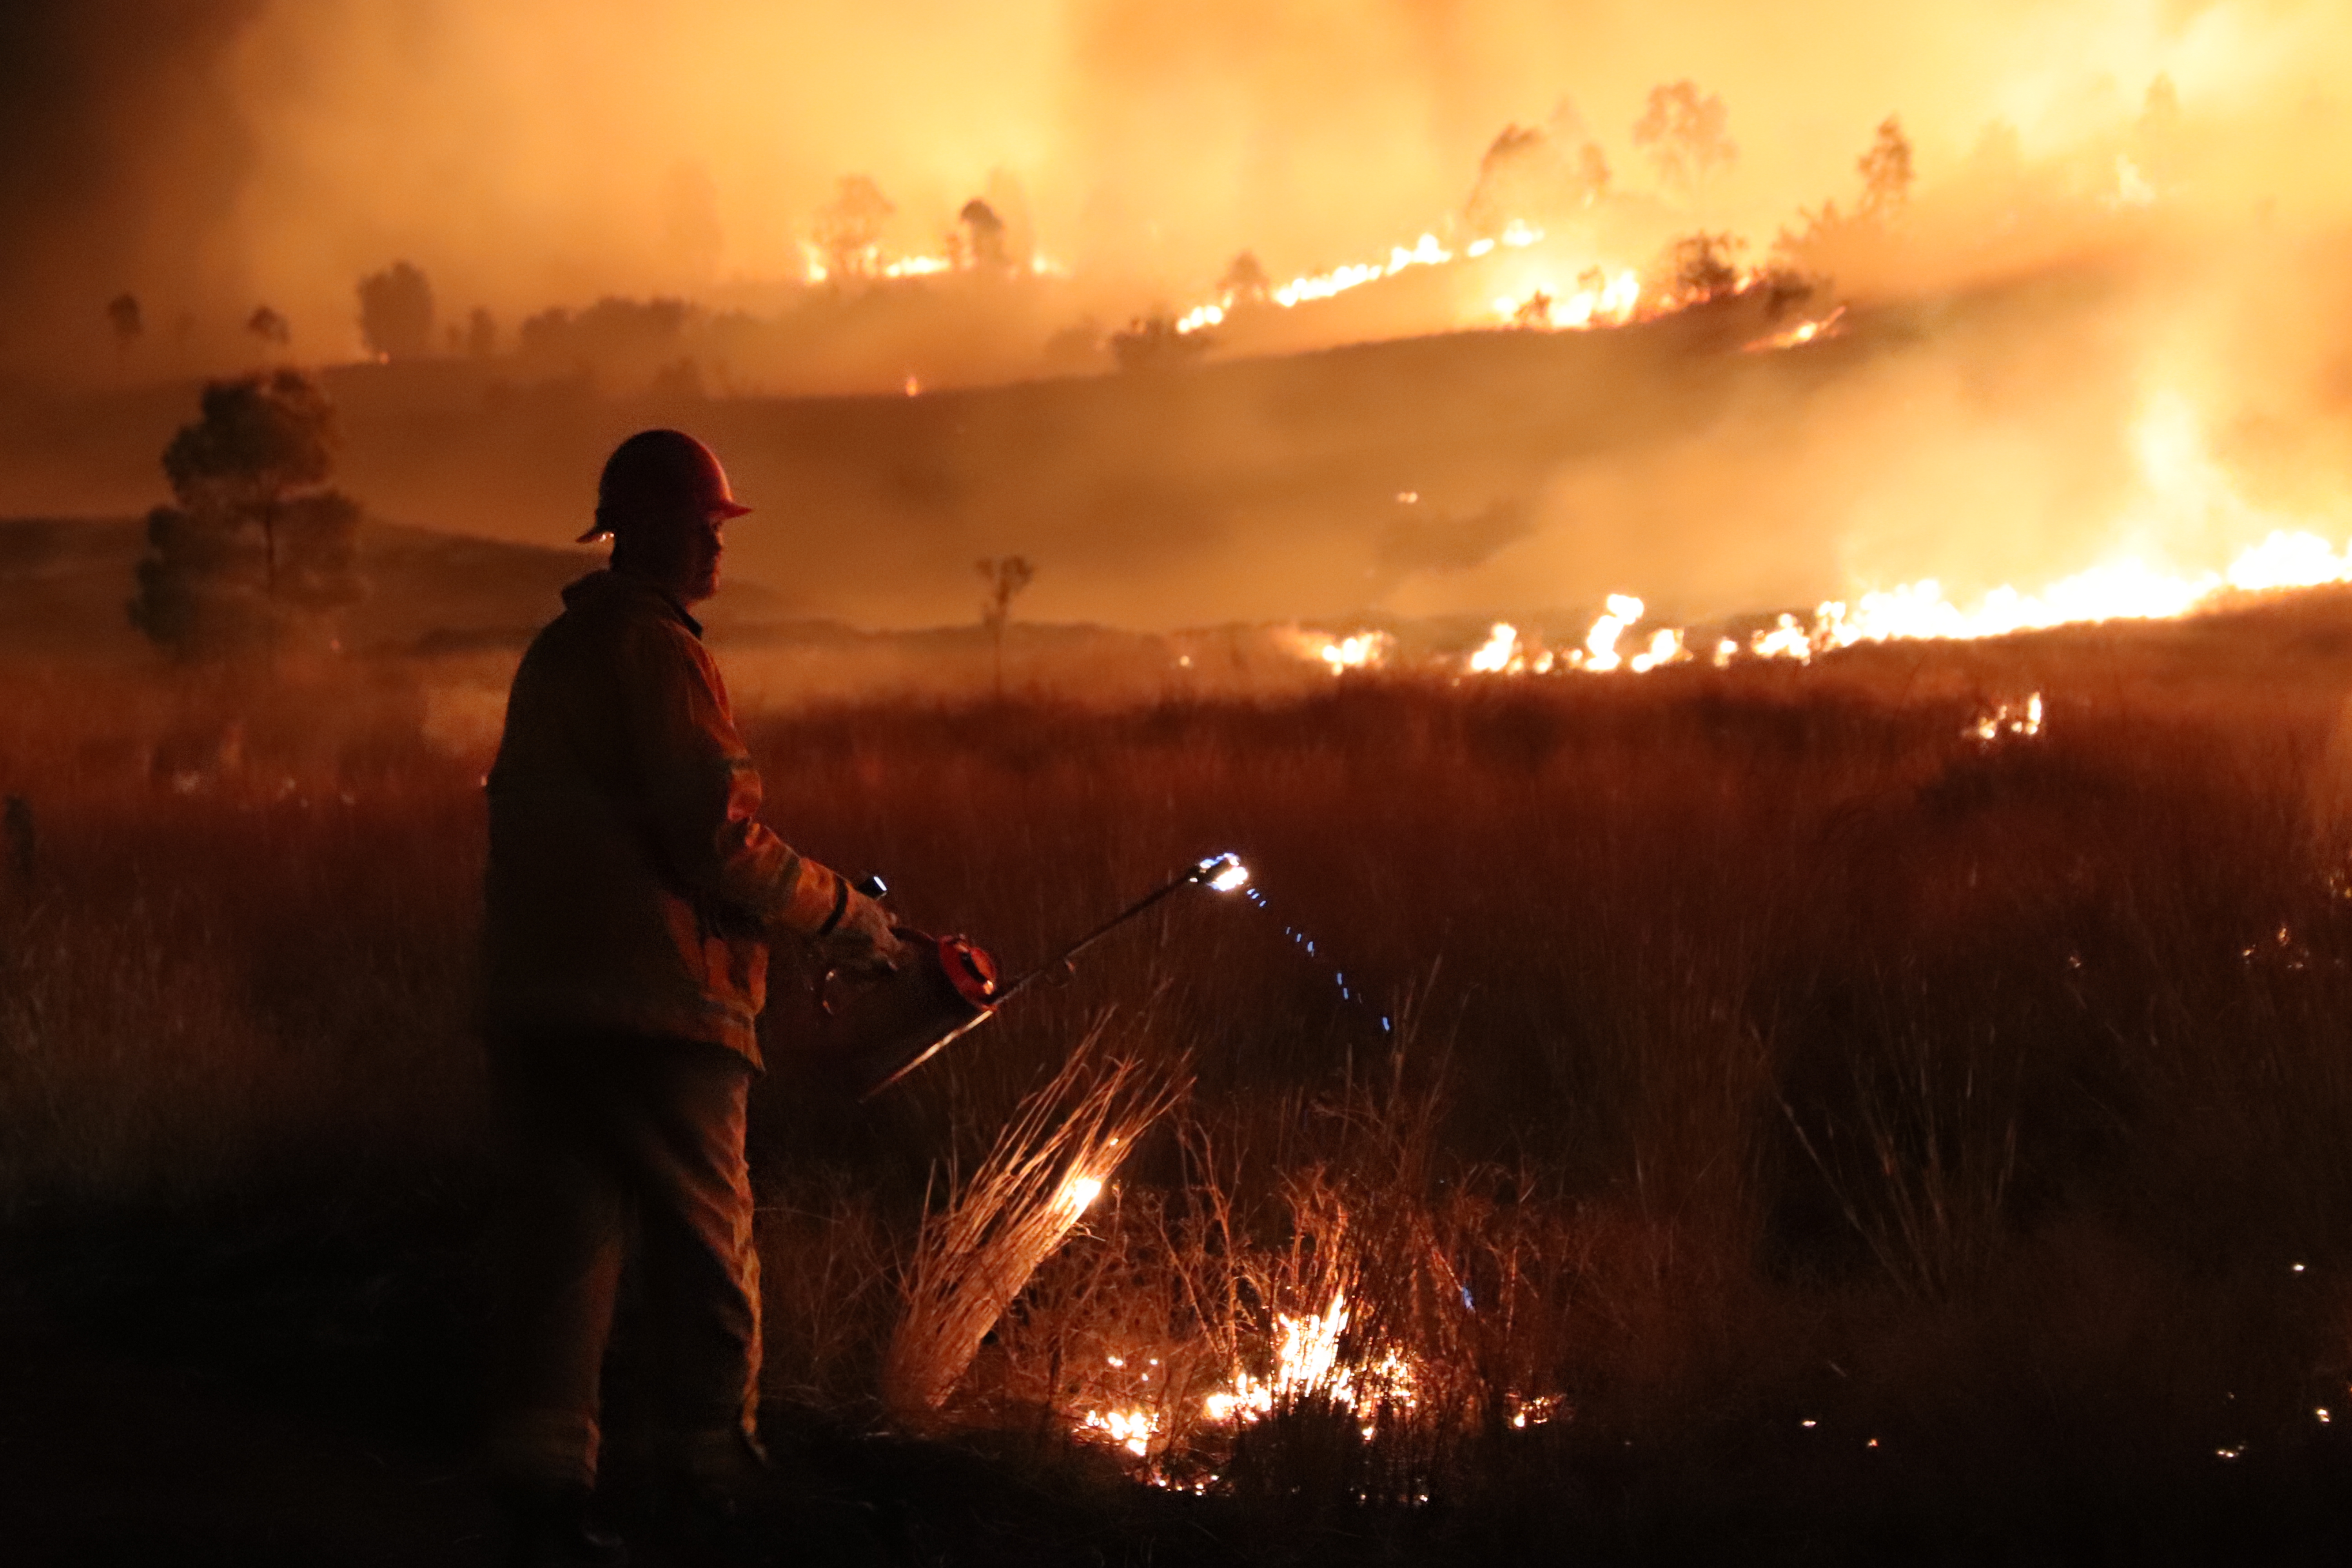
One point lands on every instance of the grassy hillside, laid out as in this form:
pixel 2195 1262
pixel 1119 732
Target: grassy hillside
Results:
pixel 64 584
pixel 1545 469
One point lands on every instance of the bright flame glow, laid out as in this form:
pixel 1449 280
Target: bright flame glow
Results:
pixel 1079 1192
pixel 2022 719
pixel 1787 639
pixel 1497 652
pixel 1306 1361
pixel 1803 332
pixel 1606 301
pixel 1200 316
pixel 1360 651
pixel 2184 489
pixel 1600 642
pixel 1130 1429
pixel 1609 303
pixel 1230 874
pixel 1665 648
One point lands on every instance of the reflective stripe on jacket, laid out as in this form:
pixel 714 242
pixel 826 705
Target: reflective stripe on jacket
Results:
pixel 631 884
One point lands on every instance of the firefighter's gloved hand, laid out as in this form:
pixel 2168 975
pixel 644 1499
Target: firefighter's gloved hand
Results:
pixel 861 940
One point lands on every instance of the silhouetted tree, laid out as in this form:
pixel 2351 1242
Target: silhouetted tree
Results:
pixel 481 335
pixel 1685 132
pixel 1010 202
pixel 257 537
pixel 1701 265
pixel 122 314
pixel 612 338
pixel 1006 576
pixel 1827 234
pixel 983 235
pixel 1536 174
pixel 1886 173
pixel 1245 282
pixel 396 313
pixel 1152 342
pixel 273 330
pixel 849 227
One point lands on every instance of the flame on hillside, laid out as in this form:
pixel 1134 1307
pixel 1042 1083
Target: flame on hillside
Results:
pixel 2180 481
pixel 1597 295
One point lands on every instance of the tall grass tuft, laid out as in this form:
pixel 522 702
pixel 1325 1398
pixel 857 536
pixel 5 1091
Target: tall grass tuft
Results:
pixel 979 1249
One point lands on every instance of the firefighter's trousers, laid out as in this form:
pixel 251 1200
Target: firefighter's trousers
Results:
pixel 610 1138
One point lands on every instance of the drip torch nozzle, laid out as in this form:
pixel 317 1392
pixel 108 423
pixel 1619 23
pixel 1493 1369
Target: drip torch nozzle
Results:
pixel 1222 873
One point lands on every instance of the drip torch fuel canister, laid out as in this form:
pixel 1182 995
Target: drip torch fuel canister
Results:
pixel 884 1030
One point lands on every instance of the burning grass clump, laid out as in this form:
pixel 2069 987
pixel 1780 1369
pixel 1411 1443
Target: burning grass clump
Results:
pixel 977 1252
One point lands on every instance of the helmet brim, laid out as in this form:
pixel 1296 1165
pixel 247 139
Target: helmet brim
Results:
pixel 723 510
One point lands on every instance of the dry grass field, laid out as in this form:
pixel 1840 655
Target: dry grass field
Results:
pixel 1762 1113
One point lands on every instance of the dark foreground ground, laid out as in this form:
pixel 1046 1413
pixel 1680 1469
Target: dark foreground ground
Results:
pixel 287 1388
pixel 262 1390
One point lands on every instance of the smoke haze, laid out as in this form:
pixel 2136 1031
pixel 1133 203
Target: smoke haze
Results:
pixel 210 154
pixel 2121 205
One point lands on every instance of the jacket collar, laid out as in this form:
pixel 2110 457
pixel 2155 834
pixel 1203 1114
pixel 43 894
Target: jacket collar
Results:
pixel 609 586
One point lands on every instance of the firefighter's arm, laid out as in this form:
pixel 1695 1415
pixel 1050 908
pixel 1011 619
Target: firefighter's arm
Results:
pixel 702 794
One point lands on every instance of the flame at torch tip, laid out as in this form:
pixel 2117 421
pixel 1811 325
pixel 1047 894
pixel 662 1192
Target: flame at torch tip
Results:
pixel 1224 873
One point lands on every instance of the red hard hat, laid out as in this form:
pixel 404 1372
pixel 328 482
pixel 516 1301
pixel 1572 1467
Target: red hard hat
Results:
pixel 660 473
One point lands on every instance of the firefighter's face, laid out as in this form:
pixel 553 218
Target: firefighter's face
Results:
pixel 681 553
pixel 700 550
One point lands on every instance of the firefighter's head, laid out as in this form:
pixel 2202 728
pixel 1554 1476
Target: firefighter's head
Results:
pixel 663 497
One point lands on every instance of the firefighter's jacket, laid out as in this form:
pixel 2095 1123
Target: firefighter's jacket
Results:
pixel 632 886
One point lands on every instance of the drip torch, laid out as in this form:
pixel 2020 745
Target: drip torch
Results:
pixel 880 1032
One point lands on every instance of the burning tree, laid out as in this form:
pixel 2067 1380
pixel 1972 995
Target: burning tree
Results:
pixel 849 227
pixel 396 313
pixel 1006 576
pixel 258 539
pixel 1686 134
